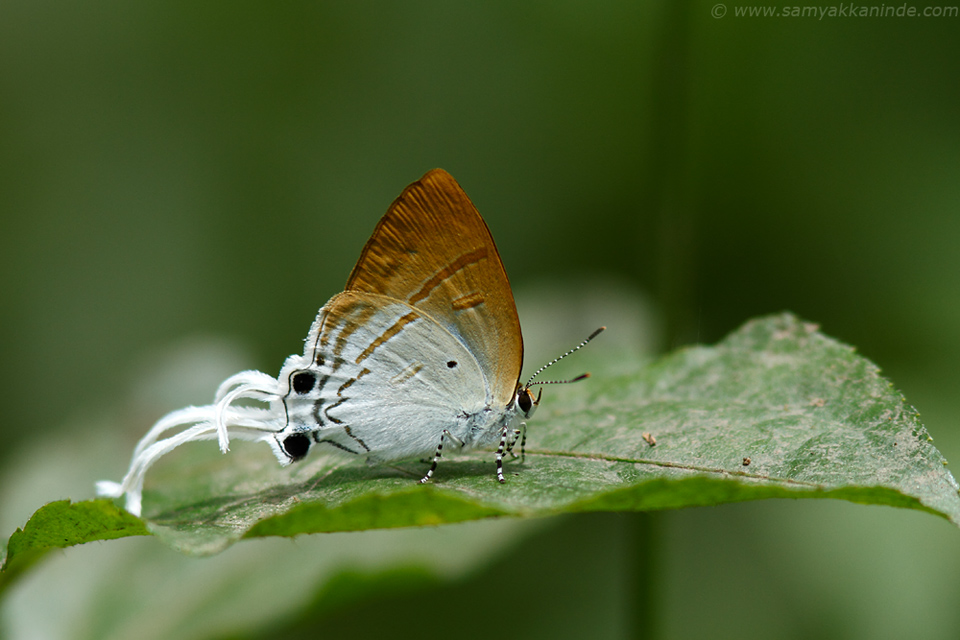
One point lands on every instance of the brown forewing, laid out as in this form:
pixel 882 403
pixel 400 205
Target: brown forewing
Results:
pixel 433 251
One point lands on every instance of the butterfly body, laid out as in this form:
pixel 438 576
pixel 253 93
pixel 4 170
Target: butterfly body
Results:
pixel 422 349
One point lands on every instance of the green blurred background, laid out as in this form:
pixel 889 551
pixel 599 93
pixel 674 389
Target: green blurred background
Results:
pixel 184 169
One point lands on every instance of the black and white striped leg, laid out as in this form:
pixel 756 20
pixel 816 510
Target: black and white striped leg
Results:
pixel 512 442
pixel 523 441
pixel 503 444
pixel 521 436
pixel 436 456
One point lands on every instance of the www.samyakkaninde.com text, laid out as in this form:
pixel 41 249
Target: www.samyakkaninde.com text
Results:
pixel 845 10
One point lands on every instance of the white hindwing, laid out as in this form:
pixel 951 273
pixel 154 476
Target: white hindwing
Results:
pixel 388 381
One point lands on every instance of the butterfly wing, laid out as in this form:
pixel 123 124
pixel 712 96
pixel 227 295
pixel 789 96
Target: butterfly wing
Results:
pixel 433 251
pixel 391 379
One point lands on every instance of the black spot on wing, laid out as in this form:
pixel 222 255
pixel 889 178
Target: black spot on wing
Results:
pixel 303 382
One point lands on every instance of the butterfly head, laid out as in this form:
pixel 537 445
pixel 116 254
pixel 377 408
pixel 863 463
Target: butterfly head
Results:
pixel 525 402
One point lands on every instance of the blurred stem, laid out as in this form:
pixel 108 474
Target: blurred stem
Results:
pixel 671 199
pixel 671 184
pixel 643 574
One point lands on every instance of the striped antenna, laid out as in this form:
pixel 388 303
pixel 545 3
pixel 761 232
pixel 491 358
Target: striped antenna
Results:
pixel 556 360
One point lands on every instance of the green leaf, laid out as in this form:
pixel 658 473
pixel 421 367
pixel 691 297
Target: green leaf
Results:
pixel 63 524
pixel 777 409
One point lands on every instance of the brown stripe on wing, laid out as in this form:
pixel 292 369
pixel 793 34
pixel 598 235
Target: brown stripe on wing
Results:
pixel 408 372
pixel 345 386
pixel 360 314
pixel 451 269
pixel 465 260
pixel 468 301
pixel 343 316
pixel 386 335
pixel 343 312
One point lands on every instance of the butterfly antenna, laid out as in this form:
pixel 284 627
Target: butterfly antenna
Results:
pixel 556 360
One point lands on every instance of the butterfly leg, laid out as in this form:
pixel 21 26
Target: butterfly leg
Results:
pixel 521 435
pixel 503 445
pixel 436 456
pixel 512 441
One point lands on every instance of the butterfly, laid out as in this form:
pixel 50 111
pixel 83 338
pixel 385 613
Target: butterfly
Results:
pixel 421 350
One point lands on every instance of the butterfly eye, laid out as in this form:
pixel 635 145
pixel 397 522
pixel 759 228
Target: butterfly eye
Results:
pixel 296 445
pixel 303 382
pixel 526 402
